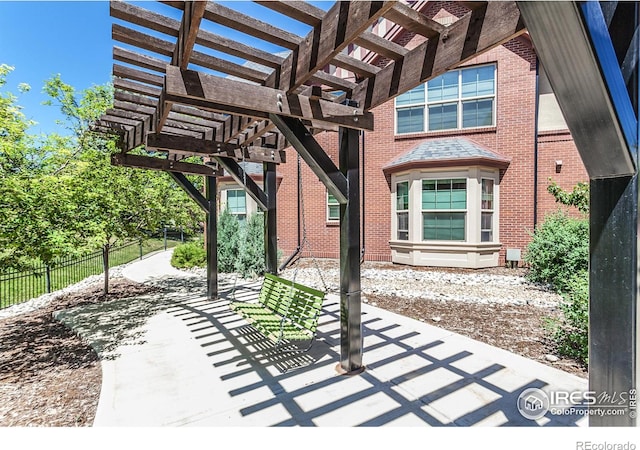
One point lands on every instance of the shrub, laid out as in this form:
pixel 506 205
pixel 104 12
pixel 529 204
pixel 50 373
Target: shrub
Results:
pixel 570 333
pixel 190 254
pixel 228 241
pixel 558 250
pixel 250 258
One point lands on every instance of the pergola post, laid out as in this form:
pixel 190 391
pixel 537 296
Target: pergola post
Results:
pixel 270 219
pixel 211 238
pixel 350 305
pixel 613 290
pixel 595 80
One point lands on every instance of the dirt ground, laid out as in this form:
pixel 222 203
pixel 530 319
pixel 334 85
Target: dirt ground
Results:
pixel 49 377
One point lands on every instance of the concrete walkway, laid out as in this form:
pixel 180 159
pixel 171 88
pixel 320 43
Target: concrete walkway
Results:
pixel 176 359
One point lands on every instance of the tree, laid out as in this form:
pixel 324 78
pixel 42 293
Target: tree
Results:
pixel 578 197
pixel 60 195
pixel 228 241
pixel 14 141
pixel 250 259
pixel 114 203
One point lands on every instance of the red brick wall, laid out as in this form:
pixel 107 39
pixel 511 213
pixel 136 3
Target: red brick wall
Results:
pixel 513 136
pixel 552 147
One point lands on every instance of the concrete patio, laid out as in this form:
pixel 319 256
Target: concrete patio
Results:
pixel 177 359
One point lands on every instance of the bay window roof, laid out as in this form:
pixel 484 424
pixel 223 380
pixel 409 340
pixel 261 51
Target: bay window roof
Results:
pixel 447 152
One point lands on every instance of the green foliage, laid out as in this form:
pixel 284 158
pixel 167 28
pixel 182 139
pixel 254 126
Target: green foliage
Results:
pixel 14 141
pixel 250 261
pixel 228 241
pixel 579 197
pixel 570 333
pixel 60 195
pixel 240 246
pixel 558 250
pixel 188 255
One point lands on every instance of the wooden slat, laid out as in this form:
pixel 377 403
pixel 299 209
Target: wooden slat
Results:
pixel 301 11
pixel 135 98
pixel 355 65
pixel 333 81
pixel 223 94
pixel 253 27
pixel 138 59
pixel 340 26
pixel 413 21
pixel 474 33
pixel 142 40
pixel 152 163
pixel 137 75
pixel 132 86
pixel 184 144
pixel 230 68
pixel 238 49
pixel 143 17
pixel 381 46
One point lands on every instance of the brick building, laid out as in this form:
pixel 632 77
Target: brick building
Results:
pixel 456 171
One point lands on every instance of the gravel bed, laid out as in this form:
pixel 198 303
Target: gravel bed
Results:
pixel 478 288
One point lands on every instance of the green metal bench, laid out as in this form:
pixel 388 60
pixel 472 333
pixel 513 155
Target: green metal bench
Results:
pixel 285 311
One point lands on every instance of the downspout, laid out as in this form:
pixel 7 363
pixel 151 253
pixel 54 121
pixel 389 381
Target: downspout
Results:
pixel 362 200
pixel 296 252
pixel 535 148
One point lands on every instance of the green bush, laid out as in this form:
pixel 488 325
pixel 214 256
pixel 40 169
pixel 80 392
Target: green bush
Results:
pixel 250 258
pixel 190 254
pixel 228 241
pixel 558 250
pixel 570 333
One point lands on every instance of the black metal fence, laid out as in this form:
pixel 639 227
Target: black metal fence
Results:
pixel 17 287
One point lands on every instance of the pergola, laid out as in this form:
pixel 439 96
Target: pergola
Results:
pixel 180 92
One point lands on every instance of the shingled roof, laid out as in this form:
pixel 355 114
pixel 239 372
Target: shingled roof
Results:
pixel 447 152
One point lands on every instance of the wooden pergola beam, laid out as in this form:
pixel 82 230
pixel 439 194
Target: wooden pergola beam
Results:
pixel 341 25
pixel 301 11
pixel 381 46
pixel 191 18
pixel 476 32
pixel 137 75
pixel 251 26
pixel 138 59
pixel 236 97
pixel 413 21
pixel 239 175
pixel 153 163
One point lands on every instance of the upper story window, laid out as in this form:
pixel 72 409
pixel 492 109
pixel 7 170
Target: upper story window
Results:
pixel 458 99
pixel 237 203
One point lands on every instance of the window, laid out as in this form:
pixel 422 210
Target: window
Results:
pixel 458 99
pixel 237 203
pixel 444 204
pixel 333 208
pixel 486 218
pixel 402 210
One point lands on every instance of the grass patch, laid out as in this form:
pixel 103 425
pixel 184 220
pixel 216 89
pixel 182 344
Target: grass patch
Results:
pixel 17 287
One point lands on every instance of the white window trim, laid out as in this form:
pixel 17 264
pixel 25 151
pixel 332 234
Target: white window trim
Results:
pixel 329 218
pixel 471 252
pixel 398 211
pixel 465 211
pixel 425 105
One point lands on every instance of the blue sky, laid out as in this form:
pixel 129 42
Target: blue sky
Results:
pixel 73 38
pixel 41 39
